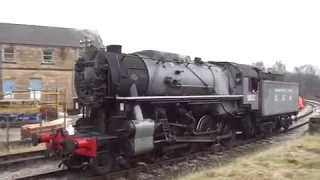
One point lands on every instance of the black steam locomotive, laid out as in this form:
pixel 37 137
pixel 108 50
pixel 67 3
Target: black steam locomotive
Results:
pixel 152 104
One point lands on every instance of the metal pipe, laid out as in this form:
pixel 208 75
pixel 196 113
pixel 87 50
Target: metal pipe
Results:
pixel 136 107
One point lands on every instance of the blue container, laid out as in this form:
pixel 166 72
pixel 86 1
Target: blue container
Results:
pixel 20 117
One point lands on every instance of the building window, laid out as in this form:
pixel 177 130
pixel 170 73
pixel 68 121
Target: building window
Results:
pixel 8 87
pixel 35 89
pixel 8 54
pixel 47 56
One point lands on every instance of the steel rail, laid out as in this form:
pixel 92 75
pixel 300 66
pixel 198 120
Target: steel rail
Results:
pixel 130 173
pixel 15 159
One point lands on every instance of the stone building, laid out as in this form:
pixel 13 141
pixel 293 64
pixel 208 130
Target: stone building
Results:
pixel 39 57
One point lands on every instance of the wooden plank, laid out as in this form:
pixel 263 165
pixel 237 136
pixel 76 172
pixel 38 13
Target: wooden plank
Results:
pixel 315 119
pixel 314 124
pixel 29 129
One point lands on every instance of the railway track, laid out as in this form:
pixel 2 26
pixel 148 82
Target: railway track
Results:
pixel 21 158
pixel 217 154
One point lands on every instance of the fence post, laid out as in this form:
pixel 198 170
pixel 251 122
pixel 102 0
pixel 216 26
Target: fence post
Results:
pixel 46 117
pixel 65 110
pixel 7 134
pixel 57 99
pixel 40 130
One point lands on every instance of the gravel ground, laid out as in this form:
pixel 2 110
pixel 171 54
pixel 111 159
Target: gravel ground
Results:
pixel 204 163
pixel 31 169
pixel 167 172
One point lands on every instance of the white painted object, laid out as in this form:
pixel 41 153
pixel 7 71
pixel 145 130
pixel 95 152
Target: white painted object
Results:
pixel 61 114
pixel 316 111
pixel 70 129
pixel 35 95
pixel 8 95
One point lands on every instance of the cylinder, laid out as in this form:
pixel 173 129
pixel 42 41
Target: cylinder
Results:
pixel 71 145
pixel 82 143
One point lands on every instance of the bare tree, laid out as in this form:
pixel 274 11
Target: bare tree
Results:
pixel 306 69
pixel 260 65
pixel 279 67
pixel 308 77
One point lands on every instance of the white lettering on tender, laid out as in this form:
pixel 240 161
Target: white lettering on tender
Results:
pixel 251 97
pixel 121 106
pixel 282 90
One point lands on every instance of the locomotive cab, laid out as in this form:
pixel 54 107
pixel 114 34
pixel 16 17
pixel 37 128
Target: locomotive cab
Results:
pixel 245 80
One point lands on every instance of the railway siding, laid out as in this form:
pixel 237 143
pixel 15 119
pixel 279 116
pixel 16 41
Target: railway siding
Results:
pixel 172 168
pixel 177 167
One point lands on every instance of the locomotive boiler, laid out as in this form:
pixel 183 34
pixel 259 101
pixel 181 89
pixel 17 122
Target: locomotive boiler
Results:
pixel 153 104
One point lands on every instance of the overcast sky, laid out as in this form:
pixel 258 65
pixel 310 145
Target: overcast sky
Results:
pixel 240 31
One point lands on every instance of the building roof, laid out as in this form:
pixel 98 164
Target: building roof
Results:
pixel 44 35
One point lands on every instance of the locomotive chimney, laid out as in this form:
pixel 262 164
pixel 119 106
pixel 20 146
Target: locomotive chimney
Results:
pixel 114 48
pixel 198 60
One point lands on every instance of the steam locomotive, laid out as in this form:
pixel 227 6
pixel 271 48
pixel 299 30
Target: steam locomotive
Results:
pixel 153 104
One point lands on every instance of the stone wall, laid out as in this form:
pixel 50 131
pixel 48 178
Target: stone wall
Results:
pixel 28 63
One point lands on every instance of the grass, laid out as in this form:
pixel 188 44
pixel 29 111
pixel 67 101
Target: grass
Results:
pixel 295 160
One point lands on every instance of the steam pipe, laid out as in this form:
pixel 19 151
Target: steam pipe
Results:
pixel 136 107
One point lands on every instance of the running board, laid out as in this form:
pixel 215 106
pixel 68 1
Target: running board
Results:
pixel 197 139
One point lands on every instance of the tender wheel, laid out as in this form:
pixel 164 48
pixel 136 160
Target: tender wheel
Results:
pixel 102 164
pixel 285 124
pixel 248 127
pixel 226 129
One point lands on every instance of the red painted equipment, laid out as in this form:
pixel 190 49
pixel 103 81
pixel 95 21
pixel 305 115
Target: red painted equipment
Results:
pixel 52 139
pixel 80 146
pixel 60 142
